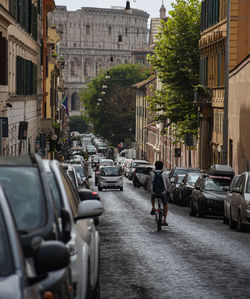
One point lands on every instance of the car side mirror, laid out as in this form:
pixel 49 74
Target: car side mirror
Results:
pixel 51 256
pixel 89 209
pixel 226 188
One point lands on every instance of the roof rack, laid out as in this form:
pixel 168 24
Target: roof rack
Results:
pixel 221 170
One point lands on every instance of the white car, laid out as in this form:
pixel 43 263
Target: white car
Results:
pixel 239 213
pixel 84 239
pixel 110 177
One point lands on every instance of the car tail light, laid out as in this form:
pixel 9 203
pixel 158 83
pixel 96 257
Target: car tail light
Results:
pixel 48 295
pixel 94 193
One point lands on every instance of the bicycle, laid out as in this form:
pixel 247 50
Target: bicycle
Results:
pixel 159 213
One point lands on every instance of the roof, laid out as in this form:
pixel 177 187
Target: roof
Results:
pixel 145 49
pixel 145 82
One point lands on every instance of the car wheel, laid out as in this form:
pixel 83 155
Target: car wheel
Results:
pixel 240 226
pixel 99 188
pixel 192 211
pixel 225 220
pixel 121 188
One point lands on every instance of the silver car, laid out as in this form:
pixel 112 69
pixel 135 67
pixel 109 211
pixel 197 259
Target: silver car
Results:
pixel 84 239
pixel 110 177
pixel 239 213
pixel 227 202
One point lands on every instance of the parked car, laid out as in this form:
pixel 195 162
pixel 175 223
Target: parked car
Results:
pixel 181 170
pixel 141 175
pixel 127 165
pixel 91 149
pixel 174 188
pixel 110 177
pixel 84 240
pixel 133 165
pixel 208 196
pixel 26 185
pixel 71 172
pixel 186 187
pixel 227 202
pixel 239 212
pixel 82 175
pixel 15 281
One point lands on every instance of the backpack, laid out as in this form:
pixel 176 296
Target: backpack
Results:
pixel 158 184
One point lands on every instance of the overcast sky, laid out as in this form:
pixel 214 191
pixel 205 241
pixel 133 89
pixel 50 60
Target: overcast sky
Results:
pixel 152 7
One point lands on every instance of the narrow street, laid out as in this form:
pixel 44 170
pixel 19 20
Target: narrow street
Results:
pixel 192 258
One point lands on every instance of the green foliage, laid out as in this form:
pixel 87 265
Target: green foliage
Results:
pixel 77 123
pixel 176 62
pixel 114 117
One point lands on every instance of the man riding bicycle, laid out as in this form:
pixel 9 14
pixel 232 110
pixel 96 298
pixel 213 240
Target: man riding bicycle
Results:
pixel 158 187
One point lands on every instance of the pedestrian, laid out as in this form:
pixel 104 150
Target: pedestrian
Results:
pixel 158 186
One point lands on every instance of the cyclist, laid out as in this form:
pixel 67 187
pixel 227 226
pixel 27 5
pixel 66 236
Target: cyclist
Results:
pixel 158 187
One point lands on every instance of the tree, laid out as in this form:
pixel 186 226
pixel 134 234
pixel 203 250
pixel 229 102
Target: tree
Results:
pixel 176 62
pixel 113 114
pixel 77 123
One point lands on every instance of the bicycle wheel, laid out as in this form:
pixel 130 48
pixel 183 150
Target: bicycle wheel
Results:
pixel 159 224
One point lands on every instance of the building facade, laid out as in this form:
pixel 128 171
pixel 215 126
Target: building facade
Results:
pixel 238 114
pixel 94 39
pixel 214 64
pixel 19 60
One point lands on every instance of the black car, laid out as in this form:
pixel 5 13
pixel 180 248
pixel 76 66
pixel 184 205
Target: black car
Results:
pixel 15 282
pixel 186 187
pixel 208 196
pixel 173 192
pixel 25 182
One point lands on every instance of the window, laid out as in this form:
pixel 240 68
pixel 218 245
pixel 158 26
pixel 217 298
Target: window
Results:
pixel 87 29
pixel 55 192
pixel 126 31
pixel 3 60
pixel 110 30
pixel 27 198
pixel 70 192
pixel 6 264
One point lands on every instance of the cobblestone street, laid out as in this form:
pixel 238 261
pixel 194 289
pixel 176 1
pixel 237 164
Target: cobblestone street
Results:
pixel 192 258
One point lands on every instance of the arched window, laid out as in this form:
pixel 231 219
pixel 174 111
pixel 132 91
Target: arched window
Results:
pixel 75 101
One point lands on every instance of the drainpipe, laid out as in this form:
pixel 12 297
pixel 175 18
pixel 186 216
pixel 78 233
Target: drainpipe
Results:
pixel 225 119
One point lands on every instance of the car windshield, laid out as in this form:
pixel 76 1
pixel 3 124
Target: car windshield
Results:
pixel 180 178
pixel 25 195
pixel 111 171
pixel 6 264
pixel 216 184
pixel 80 169
pixel 192 178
